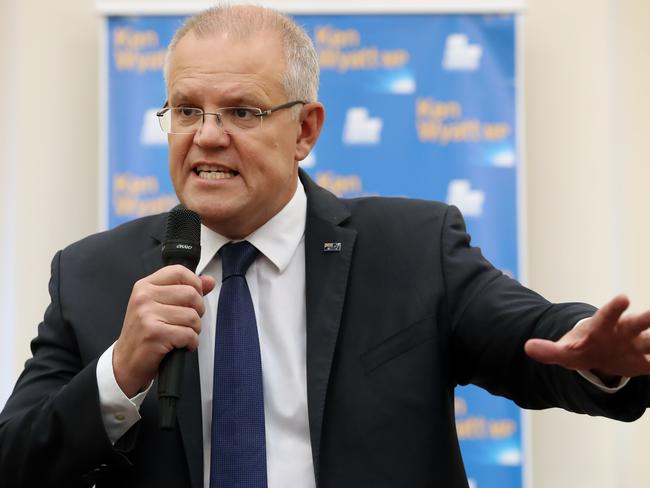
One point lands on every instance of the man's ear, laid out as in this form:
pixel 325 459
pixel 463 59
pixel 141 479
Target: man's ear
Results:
pixel 311 119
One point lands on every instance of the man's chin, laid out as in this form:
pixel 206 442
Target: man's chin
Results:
pixel 211 206
pixel 223 220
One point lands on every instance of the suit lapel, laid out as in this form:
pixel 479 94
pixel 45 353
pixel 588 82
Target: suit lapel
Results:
pixel 326 283
pixel 189 406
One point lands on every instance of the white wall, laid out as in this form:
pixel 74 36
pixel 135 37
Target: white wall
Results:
pixel 7 197
pixel 52 149
pixel 588 107
pixel 587 79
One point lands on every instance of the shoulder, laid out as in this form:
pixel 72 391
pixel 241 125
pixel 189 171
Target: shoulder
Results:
pixel 129 239
pixel 398 213
pixel 394 206
pixel 401 216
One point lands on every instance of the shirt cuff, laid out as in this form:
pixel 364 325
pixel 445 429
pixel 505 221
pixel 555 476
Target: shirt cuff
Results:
pixel 119 413
pixel 596 381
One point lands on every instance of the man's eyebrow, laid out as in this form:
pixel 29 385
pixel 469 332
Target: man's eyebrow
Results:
pixel 180 97
pixel 233 99
pixel 241 99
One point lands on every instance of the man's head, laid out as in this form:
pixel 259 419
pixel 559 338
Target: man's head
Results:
pixel 241 56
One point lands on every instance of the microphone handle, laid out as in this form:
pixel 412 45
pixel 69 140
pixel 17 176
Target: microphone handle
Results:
pixel 172 367
pixel 170 378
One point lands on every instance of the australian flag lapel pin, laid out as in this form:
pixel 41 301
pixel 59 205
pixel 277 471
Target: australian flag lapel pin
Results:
pixel 331 247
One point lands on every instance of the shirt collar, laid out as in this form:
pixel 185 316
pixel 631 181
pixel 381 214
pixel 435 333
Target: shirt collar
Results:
pixel 277 239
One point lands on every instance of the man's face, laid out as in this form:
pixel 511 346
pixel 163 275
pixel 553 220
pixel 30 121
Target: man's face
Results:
pixel 236 182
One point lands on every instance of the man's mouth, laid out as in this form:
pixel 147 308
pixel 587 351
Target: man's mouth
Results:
pixel 212 173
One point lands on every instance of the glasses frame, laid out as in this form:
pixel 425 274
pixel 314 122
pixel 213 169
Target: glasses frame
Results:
pixel 166 108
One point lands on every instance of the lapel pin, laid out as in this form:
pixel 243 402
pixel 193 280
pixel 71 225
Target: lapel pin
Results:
pixel 332 247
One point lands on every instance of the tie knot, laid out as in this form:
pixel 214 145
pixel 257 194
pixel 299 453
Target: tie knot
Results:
pixel 236 257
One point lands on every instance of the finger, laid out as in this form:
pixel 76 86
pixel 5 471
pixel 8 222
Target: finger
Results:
pixel 179 295
pixel 547 352
pixel 179 337
pixel 644 346
pixel 610 313
pixel 635 324
pixel 208 283
pixel 175 275
pixel 180 316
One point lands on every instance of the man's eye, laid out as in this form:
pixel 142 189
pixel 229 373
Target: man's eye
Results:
pixel 188 111
pixel 243 113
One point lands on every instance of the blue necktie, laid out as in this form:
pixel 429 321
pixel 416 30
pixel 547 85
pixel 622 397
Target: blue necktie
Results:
pixel 238 458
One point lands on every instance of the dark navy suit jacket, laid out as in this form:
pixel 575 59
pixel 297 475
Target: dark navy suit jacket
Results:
pixel 402 314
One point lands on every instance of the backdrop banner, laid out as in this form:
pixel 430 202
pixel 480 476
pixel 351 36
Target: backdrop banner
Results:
pixel 421 106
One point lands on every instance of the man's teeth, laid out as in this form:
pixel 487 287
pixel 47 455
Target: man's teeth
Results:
pixel 215 174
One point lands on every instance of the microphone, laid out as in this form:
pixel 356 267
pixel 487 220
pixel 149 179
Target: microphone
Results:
pixel 182 246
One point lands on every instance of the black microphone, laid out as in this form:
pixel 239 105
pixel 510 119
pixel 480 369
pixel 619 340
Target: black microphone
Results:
pixel 182 246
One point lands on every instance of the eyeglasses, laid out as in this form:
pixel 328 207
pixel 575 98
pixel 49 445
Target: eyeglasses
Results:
pixel 188 120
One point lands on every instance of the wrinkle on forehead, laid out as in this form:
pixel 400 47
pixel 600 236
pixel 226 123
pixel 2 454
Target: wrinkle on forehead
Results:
pixel 237 92
pixel 197 62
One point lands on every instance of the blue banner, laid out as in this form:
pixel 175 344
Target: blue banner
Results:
pixel 421 106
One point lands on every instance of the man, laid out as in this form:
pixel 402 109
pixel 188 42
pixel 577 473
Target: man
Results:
pixel 368 312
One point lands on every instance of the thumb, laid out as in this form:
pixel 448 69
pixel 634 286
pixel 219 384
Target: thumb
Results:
pixel 544 351
pixel 208 283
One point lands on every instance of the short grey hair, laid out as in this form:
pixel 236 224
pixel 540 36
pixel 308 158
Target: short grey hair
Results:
pixel 301 76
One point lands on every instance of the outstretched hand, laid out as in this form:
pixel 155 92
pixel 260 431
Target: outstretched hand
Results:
pixel 607 344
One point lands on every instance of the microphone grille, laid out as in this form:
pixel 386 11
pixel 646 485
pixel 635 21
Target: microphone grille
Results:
pixel 183 224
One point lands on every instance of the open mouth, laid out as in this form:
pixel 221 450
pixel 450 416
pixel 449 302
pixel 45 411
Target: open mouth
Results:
pixel 212 173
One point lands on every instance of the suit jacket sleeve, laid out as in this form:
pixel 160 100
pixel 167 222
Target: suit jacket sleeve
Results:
pixel 491 316
pixel 51 431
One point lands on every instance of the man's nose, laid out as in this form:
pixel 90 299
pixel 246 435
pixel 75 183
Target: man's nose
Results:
pixel 211 132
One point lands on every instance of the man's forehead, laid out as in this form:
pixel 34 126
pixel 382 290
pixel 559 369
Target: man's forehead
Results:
pixel 236 94
pixel 226 67
pixel 225 53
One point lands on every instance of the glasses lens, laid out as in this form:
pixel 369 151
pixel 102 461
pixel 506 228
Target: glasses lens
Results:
pixel 182 120
pixel 236 119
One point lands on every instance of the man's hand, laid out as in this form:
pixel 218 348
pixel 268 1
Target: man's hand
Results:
pixel 607 344
pixel 164 312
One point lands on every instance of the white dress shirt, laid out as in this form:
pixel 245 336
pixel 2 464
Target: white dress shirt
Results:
pixel 276 280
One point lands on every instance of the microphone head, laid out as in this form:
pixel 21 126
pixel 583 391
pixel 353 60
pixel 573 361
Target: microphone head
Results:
pixel 183 238
pixel 183 224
